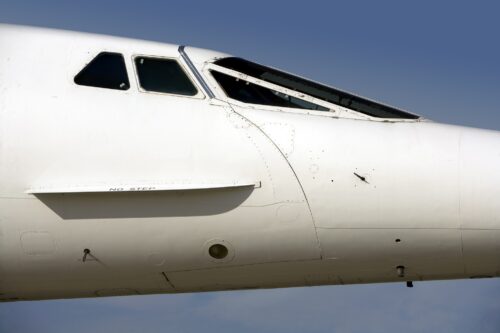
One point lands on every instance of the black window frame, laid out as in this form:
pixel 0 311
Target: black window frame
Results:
pixel 198 92
pixel 80 75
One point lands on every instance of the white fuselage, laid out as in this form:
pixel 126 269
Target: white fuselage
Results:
pixel 148 182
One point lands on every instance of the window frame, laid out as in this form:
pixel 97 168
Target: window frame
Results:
pixel 340 93
pixel 199 91
pixel 335 110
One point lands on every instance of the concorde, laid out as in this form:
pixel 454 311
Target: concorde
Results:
pixel 135 167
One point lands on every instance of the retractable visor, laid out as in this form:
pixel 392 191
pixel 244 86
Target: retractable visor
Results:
pixel 313 89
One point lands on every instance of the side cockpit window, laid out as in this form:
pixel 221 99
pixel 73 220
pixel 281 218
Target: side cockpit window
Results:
pixel 163 76
pixel 248 92
pixel 106 70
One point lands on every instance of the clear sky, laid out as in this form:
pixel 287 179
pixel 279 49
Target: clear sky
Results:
pixel 439 59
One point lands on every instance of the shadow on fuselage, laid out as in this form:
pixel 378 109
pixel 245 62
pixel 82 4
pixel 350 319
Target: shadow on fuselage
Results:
pixel 71 206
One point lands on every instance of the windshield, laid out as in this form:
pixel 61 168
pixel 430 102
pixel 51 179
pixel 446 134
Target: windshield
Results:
pixel 313 89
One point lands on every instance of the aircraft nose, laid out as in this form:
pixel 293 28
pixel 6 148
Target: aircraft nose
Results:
pixel 480 201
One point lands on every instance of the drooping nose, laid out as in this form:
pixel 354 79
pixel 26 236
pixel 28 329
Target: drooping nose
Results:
pixel 479 182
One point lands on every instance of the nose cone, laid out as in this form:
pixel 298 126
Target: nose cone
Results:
pixel 479 177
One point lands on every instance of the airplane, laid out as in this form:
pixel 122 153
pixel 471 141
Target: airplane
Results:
pixel 132 167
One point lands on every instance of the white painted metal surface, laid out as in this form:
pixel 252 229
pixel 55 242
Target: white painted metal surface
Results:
pixel 106 192
pixel 141 187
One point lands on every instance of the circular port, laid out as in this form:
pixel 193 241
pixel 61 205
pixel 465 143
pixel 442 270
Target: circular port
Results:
pixel 218 251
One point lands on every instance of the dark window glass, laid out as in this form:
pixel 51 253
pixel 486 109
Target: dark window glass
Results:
pixel 314 89
pixel 163 75
pixel 251 93
pixel 106 70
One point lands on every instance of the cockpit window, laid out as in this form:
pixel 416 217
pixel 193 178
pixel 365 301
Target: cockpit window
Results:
pixel 247 92
pixel 313 89
pixel 164 76
pixel 106 70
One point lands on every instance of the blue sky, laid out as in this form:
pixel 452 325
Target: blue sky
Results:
pixel 438 59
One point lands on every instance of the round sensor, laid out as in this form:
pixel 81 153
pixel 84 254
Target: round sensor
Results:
pixel 218 251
